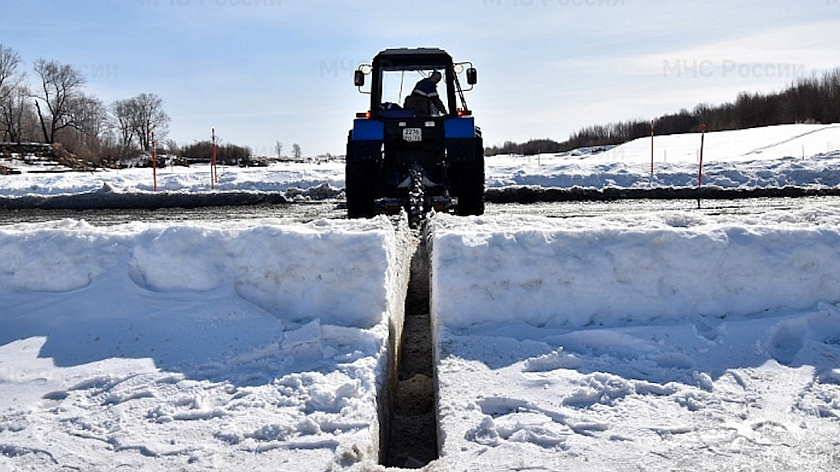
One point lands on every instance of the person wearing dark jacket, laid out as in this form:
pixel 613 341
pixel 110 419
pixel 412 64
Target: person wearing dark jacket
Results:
pixel 424 99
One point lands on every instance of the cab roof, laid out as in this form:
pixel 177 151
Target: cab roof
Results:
pixel 414 56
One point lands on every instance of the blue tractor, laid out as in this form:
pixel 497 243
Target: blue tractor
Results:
pixel 417 147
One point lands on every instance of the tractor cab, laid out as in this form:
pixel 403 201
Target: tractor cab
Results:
pixel 417 146
pixel 399 70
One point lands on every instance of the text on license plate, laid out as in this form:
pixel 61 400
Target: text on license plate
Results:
pixel 412 135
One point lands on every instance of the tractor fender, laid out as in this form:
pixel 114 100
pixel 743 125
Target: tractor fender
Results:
pixel 365 140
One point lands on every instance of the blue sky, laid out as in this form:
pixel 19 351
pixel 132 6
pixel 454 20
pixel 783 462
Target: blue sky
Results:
pixel 261 71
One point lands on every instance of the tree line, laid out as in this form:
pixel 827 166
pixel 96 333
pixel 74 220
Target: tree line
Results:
pixel 814 99
pixel 228 154
pixel 54 108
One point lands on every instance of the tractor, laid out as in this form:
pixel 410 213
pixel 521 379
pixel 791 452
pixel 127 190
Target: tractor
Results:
pixel 409 150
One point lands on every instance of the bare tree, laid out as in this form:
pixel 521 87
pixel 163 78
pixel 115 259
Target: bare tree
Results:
pixel 296 150
pixel 136 118
pixel 123 114
pixel 90 116
pixel 60 85
pixel 149 116
pixel 56 108
pixel 84 137
pixel 278 149
pixel 171 147
pixel 17 116
pixel 9 77
pixel 12 89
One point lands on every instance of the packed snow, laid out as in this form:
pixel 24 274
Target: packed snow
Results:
pixel 661 340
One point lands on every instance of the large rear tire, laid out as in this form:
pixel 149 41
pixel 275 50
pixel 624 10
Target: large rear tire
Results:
pixel 471 198
pixel 359 188
pixel 470 182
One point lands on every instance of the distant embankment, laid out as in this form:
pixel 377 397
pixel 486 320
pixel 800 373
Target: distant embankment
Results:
pixel 34 149
pixel 537 194
pixel 42 153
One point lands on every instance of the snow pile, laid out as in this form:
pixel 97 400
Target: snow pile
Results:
pixel 774 156
pixel 246 346
pixel 673 342
pixel 290 272
pixel 664 267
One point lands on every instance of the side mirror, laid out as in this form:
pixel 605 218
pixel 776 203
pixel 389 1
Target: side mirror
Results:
pixel 359 78
pixel 472 76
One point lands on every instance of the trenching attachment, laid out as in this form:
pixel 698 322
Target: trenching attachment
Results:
pixel 416 198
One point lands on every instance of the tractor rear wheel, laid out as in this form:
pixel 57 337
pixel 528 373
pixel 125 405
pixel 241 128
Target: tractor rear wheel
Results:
pixel 359 188
pixel 469 180
pixel 471 191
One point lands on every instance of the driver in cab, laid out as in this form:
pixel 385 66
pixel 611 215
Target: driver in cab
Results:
pixel 424 99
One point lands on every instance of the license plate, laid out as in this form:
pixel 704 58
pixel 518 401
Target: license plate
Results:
pixel 412 135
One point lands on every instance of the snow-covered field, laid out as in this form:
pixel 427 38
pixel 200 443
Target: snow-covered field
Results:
pixel 671 340
pixel 176 179
pixel 775 156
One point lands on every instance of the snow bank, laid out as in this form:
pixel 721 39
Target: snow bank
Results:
pixel 287 177
pixel 337 271
pixel 671 266
pixel 655 341
pixel 237 346
pixel 746 145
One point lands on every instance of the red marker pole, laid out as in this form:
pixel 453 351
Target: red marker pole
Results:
pixel 154 163
pixel 702 140
pixel 213 176
pixel 651 150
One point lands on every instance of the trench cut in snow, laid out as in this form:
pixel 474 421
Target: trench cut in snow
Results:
pixel 412 442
